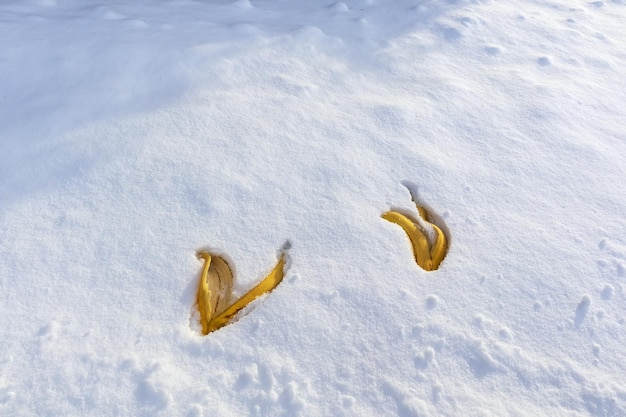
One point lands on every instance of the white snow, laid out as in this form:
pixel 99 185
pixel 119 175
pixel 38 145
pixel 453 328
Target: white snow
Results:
pixel 134 133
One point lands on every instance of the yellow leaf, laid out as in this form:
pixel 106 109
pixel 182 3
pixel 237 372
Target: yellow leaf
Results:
pixel 215 289
pixel 428 255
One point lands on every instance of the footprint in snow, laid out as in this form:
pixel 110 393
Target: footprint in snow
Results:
pixel 492 50
pixel 581 310
pixel 607 292
pixel 544 61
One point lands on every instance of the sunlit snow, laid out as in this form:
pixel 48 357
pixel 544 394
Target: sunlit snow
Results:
pixel 133 134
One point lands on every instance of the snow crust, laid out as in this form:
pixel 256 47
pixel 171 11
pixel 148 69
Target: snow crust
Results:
pixel 134 133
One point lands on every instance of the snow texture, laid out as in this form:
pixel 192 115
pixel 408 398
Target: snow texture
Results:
pixel 134 133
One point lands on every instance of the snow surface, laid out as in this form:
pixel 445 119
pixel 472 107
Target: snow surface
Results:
pixel 134 133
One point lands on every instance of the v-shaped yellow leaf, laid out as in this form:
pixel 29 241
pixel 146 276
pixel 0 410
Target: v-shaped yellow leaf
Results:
pixel 215 289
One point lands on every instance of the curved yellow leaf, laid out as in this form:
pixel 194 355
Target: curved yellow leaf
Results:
pixel 428 253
